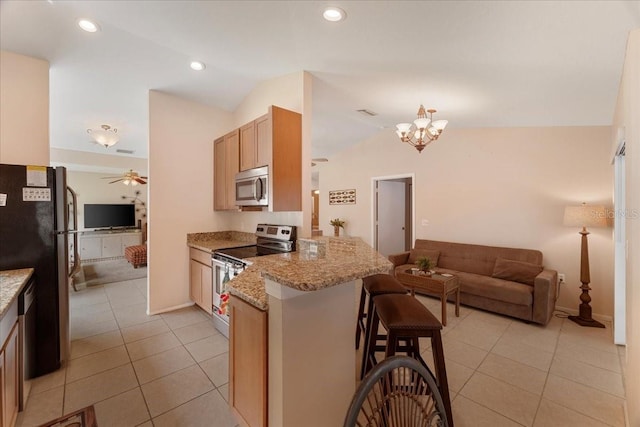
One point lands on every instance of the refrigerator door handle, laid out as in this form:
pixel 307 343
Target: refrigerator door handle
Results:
pixel 76 255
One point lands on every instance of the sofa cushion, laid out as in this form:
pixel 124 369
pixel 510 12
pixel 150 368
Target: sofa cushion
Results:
pixel 517 271
pixel 417 253
pixel 495 289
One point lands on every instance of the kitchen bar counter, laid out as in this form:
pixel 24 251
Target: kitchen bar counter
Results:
pixel 345 259
pixel 11 284
pixel 212 241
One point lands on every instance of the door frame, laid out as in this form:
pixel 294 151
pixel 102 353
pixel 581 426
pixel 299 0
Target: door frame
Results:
pixel 374 205
pixel 620 247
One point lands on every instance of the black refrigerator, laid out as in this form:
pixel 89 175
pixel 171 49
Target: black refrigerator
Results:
pixel 35 203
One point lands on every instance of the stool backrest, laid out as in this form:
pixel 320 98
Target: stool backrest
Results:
pixel 399 391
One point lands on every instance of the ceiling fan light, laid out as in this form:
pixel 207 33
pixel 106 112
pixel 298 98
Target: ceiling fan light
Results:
pixel 126 182
pixel 134 182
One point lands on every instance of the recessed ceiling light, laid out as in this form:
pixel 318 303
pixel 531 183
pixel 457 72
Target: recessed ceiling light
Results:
pixel 88 26
pixel 334 14
pixel 197 65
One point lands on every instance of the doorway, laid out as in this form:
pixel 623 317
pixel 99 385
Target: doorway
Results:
pixel 393 213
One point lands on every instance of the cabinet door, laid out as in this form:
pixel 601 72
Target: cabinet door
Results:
pixel 2 392
pixel 112 246
pixel 195 282
pixel 248 362
pixel 132 239
pixel 10 384
pixel 263 141
pixel 219 175
pixel 248 146
pixel 232 166
pixel 206 275
pixel 90 247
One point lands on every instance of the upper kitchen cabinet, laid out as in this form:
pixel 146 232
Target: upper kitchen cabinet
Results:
pixel 285 171
pixel 226 160
pixel 273 140
pixel 255 143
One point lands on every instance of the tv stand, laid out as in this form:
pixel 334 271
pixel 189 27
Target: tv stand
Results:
pixel 107 243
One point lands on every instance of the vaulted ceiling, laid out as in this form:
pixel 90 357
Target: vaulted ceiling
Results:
pixel 479 63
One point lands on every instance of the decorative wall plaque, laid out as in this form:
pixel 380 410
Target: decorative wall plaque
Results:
pixel 342 197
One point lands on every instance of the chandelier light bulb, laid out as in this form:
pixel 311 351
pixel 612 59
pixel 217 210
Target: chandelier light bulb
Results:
pixel 422 131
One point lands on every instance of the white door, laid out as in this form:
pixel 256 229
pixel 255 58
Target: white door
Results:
pixel 391 217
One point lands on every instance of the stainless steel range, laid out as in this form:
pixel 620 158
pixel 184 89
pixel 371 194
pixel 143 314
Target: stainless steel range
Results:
pixel 228 263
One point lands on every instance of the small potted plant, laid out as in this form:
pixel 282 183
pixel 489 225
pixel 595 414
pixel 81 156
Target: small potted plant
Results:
pixel 424 264
pixel 337 225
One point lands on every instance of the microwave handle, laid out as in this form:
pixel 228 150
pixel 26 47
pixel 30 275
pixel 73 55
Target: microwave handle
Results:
pixel 258 193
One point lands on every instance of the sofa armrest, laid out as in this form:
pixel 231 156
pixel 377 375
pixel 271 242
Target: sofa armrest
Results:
pixel 399 259
pixel 544 296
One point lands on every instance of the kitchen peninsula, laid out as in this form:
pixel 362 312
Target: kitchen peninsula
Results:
pixel 310 296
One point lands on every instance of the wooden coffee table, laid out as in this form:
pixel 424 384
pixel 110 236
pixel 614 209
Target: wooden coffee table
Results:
pixel 434 284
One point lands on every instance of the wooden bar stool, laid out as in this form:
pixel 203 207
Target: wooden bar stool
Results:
pixel 372 286
pixel 405 318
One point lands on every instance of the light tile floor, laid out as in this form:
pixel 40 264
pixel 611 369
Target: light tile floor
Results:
pixel 172 369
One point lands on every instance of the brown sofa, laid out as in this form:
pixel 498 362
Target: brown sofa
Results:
pixel 502 280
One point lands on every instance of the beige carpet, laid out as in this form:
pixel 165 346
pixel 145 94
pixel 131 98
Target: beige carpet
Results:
pixel 101 272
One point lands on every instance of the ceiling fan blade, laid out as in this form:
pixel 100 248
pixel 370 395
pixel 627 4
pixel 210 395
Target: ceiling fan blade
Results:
pixel 144 177
pixel 117 180
pixel 111 177
pixel 140 181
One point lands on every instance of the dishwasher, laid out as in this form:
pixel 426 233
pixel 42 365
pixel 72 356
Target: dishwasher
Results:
pixel 27 337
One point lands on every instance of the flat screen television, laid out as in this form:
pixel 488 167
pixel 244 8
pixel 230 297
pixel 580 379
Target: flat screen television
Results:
pixel 109 216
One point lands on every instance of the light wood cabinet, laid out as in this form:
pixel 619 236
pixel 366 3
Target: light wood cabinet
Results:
pixel 273 140
pixel 255 143
pixel 248 363
pixel 226 164
pixel 10 397
pixel 200 279
pixel 97 245
pixel 9 366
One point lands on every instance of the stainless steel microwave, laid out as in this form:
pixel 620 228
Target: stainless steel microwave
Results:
pixel 252 187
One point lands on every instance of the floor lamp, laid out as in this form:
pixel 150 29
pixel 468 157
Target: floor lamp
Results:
pixel 585 216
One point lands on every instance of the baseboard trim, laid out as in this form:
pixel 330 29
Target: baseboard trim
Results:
pixel 596 316
pixel 168 309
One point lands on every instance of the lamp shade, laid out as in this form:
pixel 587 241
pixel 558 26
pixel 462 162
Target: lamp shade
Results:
pixel 585 216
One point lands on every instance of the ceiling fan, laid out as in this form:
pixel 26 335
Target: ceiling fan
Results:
pixel 127 178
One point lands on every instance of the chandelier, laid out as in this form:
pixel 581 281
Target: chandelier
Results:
pixel 422 131
pixel 105 136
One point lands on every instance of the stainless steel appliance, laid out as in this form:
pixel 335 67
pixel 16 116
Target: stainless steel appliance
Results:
pixel 34 232
pixel 228 263
pixel 252 187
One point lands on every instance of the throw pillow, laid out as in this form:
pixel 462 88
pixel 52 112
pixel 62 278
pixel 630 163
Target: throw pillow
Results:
pixel 416 254
pixel 517 271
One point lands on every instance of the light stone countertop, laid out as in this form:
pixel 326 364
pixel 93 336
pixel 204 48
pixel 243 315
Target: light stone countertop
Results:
pixel 212 241
pixel 346 259
pixel 11 284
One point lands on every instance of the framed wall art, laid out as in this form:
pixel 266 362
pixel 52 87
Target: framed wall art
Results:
pixel 342 197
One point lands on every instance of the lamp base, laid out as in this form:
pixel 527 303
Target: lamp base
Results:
pixel 586 322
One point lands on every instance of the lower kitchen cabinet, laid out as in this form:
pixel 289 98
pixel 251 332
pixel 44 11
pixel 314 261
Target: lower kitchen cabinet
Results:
pixel 248 362
pixel 9 374
pixel 200 279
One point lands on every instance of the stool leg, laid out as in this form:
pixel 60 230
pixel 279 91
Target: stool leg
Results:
pixel 371 333
pixel 361 315
pixel 392 344
pixel 441 373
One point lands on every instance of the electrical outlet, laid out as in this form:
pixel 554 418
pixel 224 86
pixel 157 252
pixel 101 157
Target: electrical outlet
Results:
pixel 561 278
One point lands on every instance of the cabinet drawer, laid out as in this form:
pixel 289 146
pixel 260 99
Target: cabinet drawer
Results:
pixel 200 256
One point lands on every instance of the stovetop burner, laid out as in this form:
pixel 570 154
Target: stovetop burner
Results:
pixel 271 239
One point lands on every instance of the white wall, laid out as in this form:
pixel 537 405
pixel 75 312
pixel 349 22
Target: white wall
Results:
pixel 181 135
pixel 24 109
pixel 292 92
pixel 627 114
pixel 92 188
pixel 502 187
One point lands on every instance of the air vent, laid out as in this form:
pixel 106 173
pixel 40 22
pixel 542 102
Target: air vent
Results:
pixel 120 150
pixel 367 112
